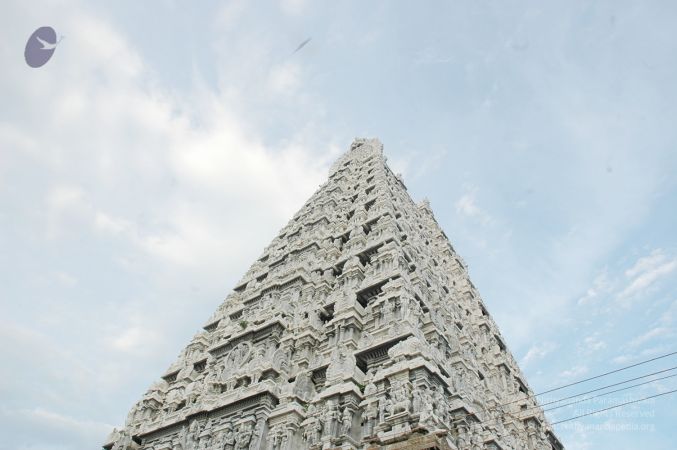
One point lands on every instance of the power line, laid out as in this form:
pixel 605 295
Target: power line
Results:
pixel 610 392
pixel 606 373
pixel 460 419
pixel 586 379
pixel 610 385
pixel 594 412
pixel 578 395
pixel 614 407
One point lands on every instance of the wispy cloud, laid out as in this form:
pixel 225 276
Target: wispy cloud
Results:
pixel 647 271
pixel 601 285
pixel 467 206
pixel 654 333
pixel 574 372
pixel 538 351
pixel 631 284
pixel 592 344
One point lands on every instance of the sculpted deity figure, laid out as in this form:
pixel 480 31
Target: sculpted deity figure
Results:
pixel 371 414
pixel 194 392
pixel 382 408
pixel 346 420
pixel 244 436
pixel 427 410
pixel 462 439
pixel 332 419
pixel 438 397
pixel 191 439
pixel 211 382
pixel 387 312
pixel 275 438
pixel 397 308
pixel 228 438
pixel 257 364
pixel 399 398
pixel 416 401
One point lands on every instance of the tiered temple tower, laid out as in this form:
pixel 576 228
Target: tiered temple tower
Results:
pixel 357 328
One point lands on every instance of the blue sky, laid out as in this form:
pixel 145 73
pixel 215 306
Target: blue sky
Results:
pixel 153 158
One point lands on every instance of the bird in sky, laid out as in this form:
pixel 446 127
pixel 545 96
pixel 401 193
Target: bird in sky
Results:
pixel 48 45
pixel 301 45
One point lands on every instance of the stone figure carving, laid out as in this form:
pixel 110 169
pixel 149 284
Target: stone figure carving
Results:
pixel 383 407
pixel 346 420
pixel 399 398
pixel 194 391
pixel 332 419
pixel 371 414
pixel 257 364
pixel 228 437
pixel 342 363
pixel 387 312
pixel 244 436
pixel 416 401
pixel 462 439
pixel 239 354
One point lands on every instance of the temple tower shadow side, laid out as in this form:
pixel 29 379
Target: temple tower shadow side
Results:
pixel 357 328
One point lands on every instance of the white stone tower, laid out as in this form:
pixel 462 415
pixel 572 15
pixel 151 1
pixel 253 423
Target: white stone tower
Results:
pixel 357 328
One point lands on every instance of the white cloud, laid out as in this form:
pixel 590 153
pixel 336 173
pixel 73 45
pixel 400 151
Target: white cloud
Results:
pixel 632 283
pixel 646 263
pixel 538 351
pixel 654 333
pixel 467 206
pixel 601 285
pixel 646 271
pixel 575 371
pixel 592 344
